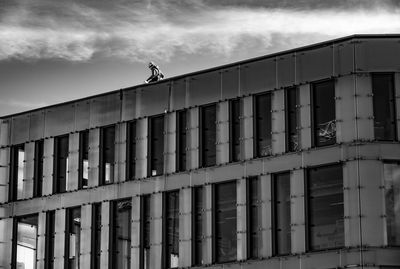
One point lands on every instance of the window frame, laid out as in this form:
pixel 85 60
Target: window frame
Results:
pixel 179 150
pixel 14 167
pixel 195 254
pixel 131 149
pixel 143 222
pixel 165 248
pixel 256 137
pixel 95 241
pixel 49 239
pixel 232 133
pixel 68 228
pixel 38 169
pixel 150 145
pixel 202 149
pixel 82 135
pixel 287 118
pixel 102 152
pixel 250 254
pixel 56 165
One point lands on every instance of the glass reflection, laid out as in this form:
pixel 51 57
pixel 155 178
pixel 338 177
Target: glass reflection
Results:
pixel 172 228
pixel 392 202
pixel 208 135
pixel 282 214
pixel 20 171
pixel 121 235
pixel 263 125
pixel 26 242
pixel 73 237
pixel 107 154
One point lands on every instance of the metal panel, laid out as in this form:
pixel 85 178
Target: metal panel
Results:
pixel 170 145
pixel 86 232
pixel 73 162
pixel 59 120
pixel 156 231
pixel 266 217
pixel 378 55
pixel 105 110
pixel 141 148
pixel 94 155
pixel 5 242
pixel 297 213
pixel 257 76
pixel 152 100
pixel 343 59
pixel 19 130
pixel 120 152
pixel 37 125
pixel 193 139
pixel 178 94
pixel 4 173
pixel 82 115
pixel 129 105
pixel 185 228
pixel 345 109
pixel 241 219
pixel 204 88
pixel 105 235
pixel 314 64
pixel 207 223
pixel 59 239
pixel 286 72
pixel 397 94
pixel 278 122
pixel 305 116
pixel 247 141
pixel 28 171
pixel 222 147
pixel 230 83
pixel 4 132
pixel 135 232
pixel 365 113
pixel 48 166
pixel 41 240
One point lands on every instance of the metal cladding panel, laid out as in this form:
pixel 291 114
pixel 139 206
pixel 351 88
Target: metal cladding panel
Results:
pixel 86 234
pixel 4 133
pixel 258 76
pixel 305 116
pixel 156 228
pixel 153 99
pixel 6 226
pixel 204 88
pixel 141 148
pixel 94 155
pixel 73 162
pixel 37 125
pixel 41 240
pixel 230 83
pixel 59 239
pixel 397 94
pixel 322 156
pixel 278 122
pixel 297 212
pixel 193 139
pixel 286 70
pixel 207 223
pixel 4 173
pixel 105 110
pixel 82 115
pixel 105 235
pixel 185 227
pixel 178 94
pixel 343 59
pixel 129 105
pixel 314 64
pixel 222 128
pixel 365 113
pixel 170 145
pixel 247 141
pixel 28 173
pixel 378 54
pixel 241 219
pixel 135 232
pixel 345 109
pixel 322 260
pixel 120 152
pixel 266 217
pixel 59 120
pixel 20 129
pixel 47 187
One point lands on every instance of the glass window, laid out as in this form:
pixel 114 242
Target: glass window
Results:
pixel 60 164
pixel 384 107
pixel 323 107
pixel 25 247
pixel 235 130
pixel 292 119
pixel 392 202
pixel 181 140
pixel 38 169
pixel 83 159
pixel 262 125
pixel 73 237
pixel 225 239
pixel 208 135
pixel 171 220
pixel 121 234
pixel 107 155
pixel 16 185
pixel 325 207
pixel 254 217
pixel 131 151
pixel 156 146
pixel 198 231
pixel 96 236
pixel 49 243
pixel 281 214
pixel 145 218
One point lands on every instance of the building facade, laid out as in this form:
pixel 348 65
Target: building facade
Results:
pixel 291 160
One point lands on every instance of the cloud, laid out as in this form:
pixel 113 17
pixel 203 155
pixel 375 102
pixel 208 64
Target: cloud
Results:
pixel 160 30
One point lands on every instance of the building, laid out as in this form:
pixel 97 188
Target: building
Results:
pixel 291 160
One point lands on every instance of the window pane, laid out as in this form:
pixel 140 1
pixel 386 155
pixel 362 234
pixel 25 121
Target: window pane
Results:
pixel 225 222
pixel 254 213
pixel 392 202
pixel 384 107
pixel 208 135
pixel 83 159
pixel 263 125
pixel 325 200
pixel 323 105
pixel 61 163
pixel 107 150
pixel 198 207
pixel 181 140
pixel 49 244
pixel 292 119
pixel 282 214
pixel 172 229
pixel 121 234
pixel 131 151
pixel 235 130
pixel 38 169
pixel 96 236
pixel 17 172
pixel 73 240
pixel 26 245
pixel 145 244
pixel 156 134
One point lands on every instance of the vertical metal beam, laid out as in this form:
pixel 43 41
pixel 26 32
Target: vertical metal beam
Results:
pixel 222 128
pixel 278 122
pixel 41 240
pixel 170 143
pixel 120 152
pixel 345 109
pixel 397 97
pixel 247 128
pixel 363 95
pixel 86 236
pixel 156 228
pixel 207 249
pixel 4 173
pixel 59 239
pixel 136 232
pixel 297 211
pixel 6 226
pixel 141 148
pixel 48 160
pixel 241 196
pixel 193 138
pixel 185 227
pixel 305 116
pixel 73 162
pixel 105 235
pixel 94 154
pixel 266 216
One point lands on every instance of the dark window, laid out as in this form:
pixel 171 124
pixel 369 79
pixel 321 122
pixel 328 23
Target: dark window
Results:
pixel 121 235
pixel 208 136
pixel 96 236
pixel 171 222
pixel 292 119
pixel 235 130
pixel 281 214
pixel 83 159
pixel 262 125
pixel 384 107
pixel 198 230
pixel 24 248
pixel 17 172
pixel 131 151
pixel 392 202
pixel 38 169
pixel 225 239
pixel 181 140
pixel 325 207
pixel 145 219
pixel 49 243
pixel 156 146
pixel 323 107
pixel 107 155
pixel 254 217
pixel 73 238
pixel 60 164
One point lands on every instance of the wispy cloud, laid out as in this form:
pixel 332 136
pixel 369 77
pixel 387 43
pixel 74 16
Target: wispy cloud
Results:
pixel 160 30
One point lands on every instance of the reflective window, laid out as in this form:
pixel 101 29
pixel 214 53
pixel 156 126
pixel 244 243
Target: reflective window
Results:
pixel 16 184
pixel 107 155
pixel 96 236
pixel 49 243
pixel 60 164
pixel 121 234
pixel 225 239
pixel 131 151
pixel 325 207
pixel 262 125
pixel 292 119
pixel 73 237
pixel 392 202
pixel 38 169
pixel 235 130
pixel 25 247
pixel 171 221
pixel 208 134
pixel 145 218
pixel 156 146
pixel 254 217
pixel 384 107
pixel 323 107
pixel 83 159
pixel 198 231
pixel 181 140
pixel 281 214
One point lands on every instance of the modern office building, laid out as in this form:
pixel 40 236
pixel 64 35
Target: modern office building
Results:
pixel 291 160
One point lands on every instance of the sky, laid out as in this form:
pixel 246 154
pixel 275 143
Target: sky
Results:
pixel 57 51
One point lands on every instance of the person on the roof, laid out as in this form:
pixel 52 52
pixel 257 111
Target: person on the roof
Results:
pixel 156 74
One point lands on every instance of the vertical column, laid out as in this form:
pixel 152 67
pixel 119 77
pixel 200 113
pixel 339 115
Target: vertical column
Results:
pixel 185 228
pixel 41 241
pixel 6 226
pixel 136 232
pixel 4 173
pixel 397 96
pixel 305 116
pixel 170 143
pixel 73 162
pixel 48 159
pixel 241 219
pixel 193 134
pixel 86 236
pixel 156 228
pixel 105 235
pixel 278 122
pixel 345 109
pixel 59 239
pixel 247 128
pixel 222 132
pixel 120 152
pixel 207 248
pixel 266 216
pixel 141 148
pixel 94 155
pixel 365 113
pixel 297 209
pixel 4 133
pixel 28 167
